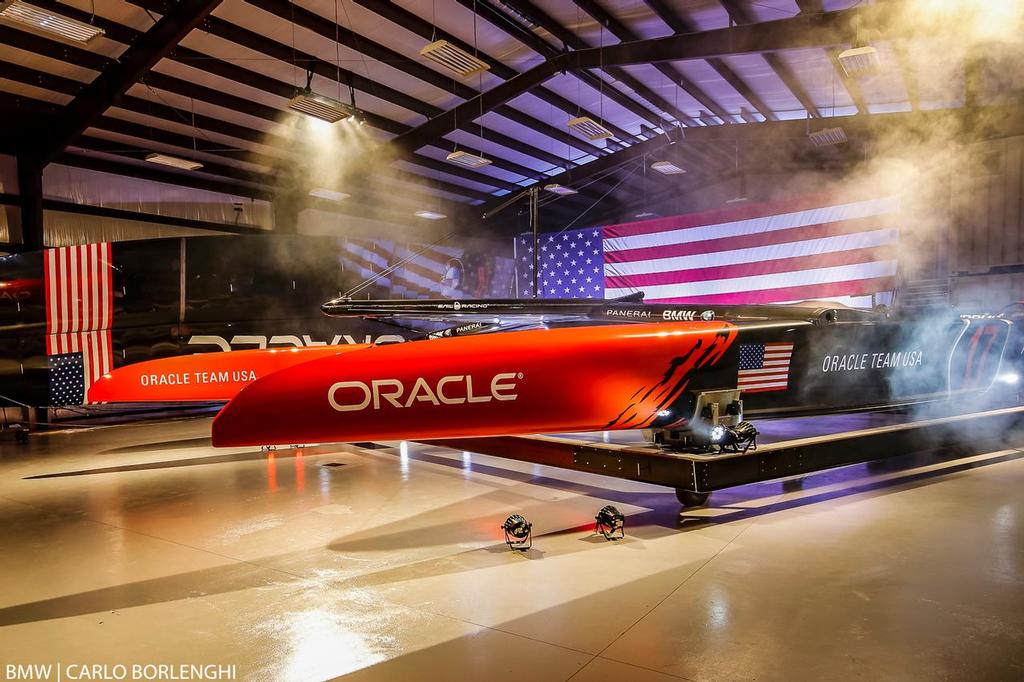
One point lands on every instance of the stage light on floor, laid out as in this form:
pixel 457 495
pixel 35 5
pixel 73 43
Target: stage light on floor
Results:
pixel 518 532
pixel 609 522
pixel 430 215
pixel 733 438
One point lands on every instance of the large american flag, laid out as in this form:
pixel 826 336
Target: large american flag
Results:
pixel 79 310
pixel 763 253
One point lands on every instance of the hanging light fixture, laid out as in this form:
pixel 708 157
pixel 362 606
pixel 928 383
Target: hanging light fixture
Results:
pixel 454 58
pixel 319 106
pixel 589 128
pixel 173 161
pixel 48 22
pixel 468 160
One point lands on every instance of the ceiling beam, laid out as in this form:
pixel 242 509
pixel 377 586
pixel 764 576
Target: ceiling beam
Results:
pixel 328 29
pixel 407 19
pixel 674 75
pixel 41 111
pixel 966 124
pixel 678 24
pixel 852 85
pixel 740 15
pixel 236 34
pixel 810 6
pixel 907 74
pixel 105 90
pixel 96 62
pixel 799 31
pixel 571 41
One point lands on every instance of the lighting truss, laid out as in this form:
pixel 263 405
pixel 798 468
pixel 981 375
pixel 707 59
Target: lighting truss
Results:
pixel 48 22
pixel 468 160
pixel 454 58
pixel 589 128
pixel 173 161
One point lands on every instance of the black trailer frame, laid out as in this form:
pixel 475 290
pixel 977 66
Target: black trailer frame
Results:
pixel 696 475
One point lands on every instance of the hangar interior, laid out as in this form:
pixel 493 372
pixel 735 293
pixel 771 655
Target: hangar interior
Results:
pixel 184 179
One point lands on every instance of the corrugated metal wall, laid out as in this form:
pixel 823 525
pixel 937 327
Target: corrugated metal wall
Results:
pixel 986 251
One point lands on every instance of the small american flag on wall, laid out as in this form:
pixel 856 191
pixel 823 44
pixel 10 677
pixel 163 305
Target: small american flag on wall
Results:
pixel 764 367
pixel 79 309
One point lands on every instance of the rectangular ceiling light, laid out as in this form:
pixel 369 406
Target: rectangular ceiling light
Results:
pixel 561 190
pixel 589 128
pixel 320 106
pixel 667 168
pixel 174 161
pixel 827 137
pixel 859 62
pixel 430 215
pixel 329 194
pixel 454 58
pixel 44 20
pixel 468 160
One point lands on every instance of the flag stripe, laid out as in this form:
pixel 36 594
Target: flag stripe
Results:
pixel 797 293
pixel 756 268
pixel 758 224
pixel 753 240
pixel 776 281
pixel 801 246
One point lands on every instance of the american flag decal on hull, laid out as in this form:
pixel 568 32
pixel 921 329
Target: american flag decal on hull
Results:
pixel 764 367
pixel 79 307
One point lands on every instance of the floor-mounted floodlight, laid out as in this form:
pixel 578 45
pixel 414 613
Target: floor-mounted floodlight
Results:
pixel 610 521
pixel 518 532
pixel 733 438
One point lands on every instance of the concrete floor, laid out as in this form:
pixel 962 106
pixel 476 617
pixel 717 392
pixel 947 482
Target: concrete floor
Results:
pixel 142 544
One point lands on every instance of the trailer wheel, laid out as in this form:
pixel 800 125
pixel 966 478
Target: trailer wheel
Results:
pixel 688 498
